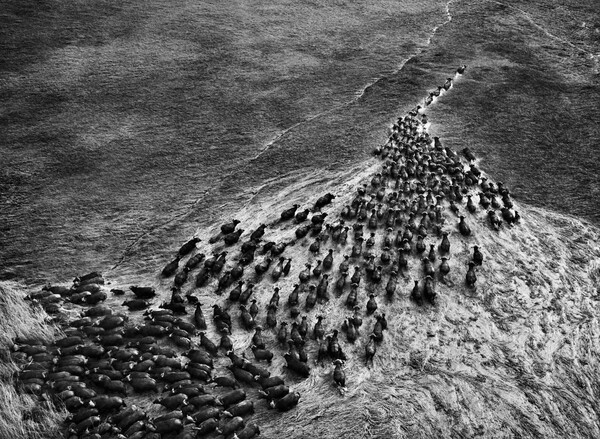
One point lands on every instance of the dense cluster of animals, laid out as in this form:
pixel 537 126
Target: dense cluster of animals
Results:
pixel 397 220
pixel 103 359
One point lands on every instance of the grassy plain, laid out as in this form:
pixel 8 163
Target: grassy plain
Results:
pixel 120 118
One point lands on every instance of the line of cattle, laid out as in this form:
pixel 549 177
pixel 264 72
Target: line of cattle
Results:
pixel 103 358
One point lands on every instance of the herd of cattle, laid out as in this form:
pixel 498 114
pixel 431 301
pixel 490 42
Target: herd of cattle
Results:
pixel 395 224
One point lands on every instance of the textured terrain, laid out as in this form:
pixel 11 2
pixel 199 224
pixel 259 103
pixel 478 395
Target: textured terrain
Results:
pixel 515 356
pixel 125 133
